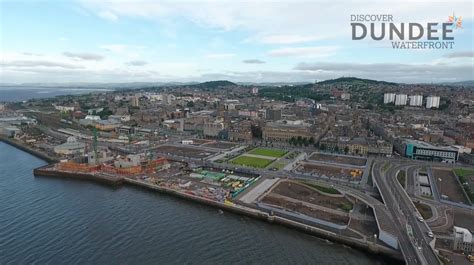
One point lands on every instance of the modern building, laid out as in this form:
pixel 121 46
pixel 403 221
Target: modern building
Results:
pixel 401 100
pixel 420 150
pixel 416 100
pixel 388 98
pixel 432 102
pixel 463 240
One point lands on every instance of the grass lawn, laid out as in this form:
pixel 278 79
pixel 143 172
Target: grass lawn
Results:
pixel 268 152
pixel 329 190
pixel 462 172
pixel 424 210
pixel 401 177
pixel 252 161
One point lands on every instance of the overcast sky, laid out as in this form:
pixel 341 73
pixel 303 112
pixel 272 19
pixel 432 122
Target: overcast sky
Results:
pixel 284 41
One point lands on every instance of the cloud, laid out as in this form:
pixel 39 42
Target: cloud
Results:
pixel 136 63
pixel 84 56
pixel 465 54
pixel 24 63
pixel 396 72
pixel 107 15
pixel 318 51
pixel 253 61
pixel 286 39
pixel 219 55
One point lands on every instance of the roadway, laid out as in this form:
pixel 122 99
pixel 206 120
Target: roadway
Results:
pixel 415 249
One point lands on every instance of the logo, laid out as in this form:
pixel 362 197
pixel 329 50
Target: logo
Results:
pixel 405 35
pixel 457 21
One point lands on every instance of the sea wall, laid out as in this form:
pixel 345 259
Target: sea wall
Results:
pixel 28 149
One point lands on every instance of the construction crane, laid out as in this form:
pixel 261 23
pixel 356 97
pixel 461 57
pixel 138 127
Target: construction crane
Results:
pixel 94 145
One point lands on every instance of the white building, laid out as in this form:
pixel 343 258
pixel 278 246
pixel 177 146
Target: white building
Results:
pixel 432 102
pixel 70 147
pixel 63 108
pixel 345 96
pixel 416 100
pixel 388 98
pixel 255 90
pixel 462 240
pixel 401 100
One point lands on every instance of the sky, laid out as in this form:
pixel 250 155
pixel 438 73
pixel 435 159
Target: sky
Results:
pixel 241 41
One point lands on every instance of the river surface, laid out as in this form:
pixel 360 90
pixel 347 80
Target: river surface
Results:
pixel 14 94
pixel 55 221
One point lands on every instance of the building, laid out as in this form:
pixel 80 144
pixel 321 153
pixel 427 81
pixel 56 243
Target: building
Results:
pixel 283 132
pixel 400 100
pixel 463 240
pixel 432 102
pixel 345 96
pixel 212 129
pixel 63 108
pixel 380 147
pixel 415 149
pixel 70 147
pixel 416 100
pixel 273 114
pixel 388 98
pixel 240 132
pixel 254 90
pixel 134 101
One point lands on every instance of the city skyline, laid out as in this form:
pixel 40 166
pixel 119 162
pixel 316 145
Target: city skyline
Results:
pixel 145 41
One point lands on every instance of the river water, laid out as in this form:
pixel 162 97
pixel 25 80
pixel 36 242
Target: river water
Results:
pixel 55 221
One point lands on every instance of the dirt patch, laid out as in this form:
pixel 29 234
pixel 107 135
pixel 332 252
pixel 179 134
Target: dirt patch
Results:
pixel 308 211
pixel 184 151
pixel 449 187
pixel 356 161
pixel 424 210
pixel 328 171
pixel 306 194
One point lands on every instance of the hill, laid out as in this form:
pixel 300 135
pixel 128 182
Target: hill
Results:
pixel 354 80
pixel 213 84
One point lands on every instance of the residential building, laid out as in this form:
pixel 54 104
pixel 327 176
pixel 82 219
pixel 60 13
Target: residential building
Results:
pixel 432 102
pixel 416 100
pixel 400 100
pixel 388 98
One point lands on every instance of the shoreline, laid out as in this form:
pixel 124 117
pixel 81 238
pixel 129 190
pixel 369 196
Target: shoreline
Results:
pixel 365 246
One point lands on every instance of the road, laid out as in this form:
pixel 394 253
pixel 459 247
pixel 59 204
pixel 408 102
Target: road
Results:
pixel 402 208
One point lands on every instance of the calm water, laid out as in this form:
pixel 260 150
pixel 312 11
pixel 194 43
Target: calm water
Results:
pixel 11 94
pixel 54 221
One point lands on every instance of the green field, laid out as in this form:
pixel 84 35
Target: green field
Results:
pixel 268 152
pixel 462 172
pixel 252 161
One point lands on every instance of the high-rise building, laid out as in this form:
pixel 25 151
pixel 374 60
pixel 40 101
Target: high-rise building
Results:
pixel 400 99
pixel 432 102
pixel 416 100
pixel 134 101
pixel 388 98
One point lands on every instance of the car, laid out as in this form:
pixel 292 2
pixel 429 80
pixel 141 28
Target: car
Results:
pixel 420 219
pixel 430 234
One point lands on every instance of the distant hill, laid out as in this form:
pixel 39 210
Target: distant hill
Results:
pixel 213 84
pixel 354 80
pixel 467 83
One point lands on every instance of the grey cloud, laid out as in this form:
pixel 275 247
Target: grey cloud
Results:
pixel 460 54
pixel 39 63
pixel 84 56
pixel 136 63
pixel 253 61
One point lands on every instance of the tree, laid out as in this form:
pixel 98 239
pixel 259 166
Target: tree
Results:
pixel 346 149
pixel 322 146
pixel 311 140
pixel 190 104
